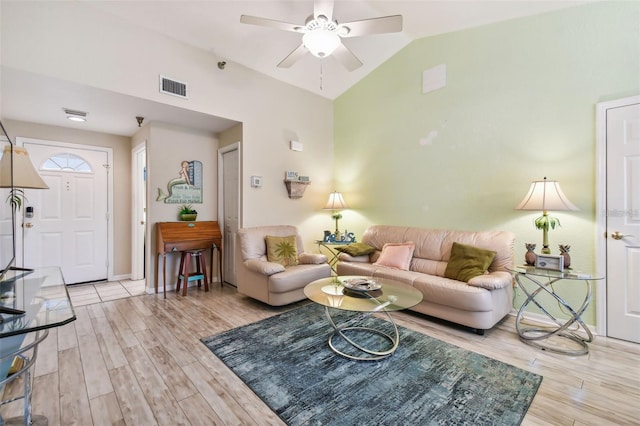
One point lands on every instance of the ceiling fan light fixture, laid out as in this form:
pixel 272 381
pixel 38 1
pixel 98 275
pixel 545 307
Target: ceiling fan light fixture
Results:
pixel 320 42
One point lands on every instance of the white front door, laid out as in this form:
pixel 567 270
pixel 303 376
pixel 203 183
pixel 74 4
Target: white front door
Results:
pixel 623 222
pixel 230 209
pixel 69 226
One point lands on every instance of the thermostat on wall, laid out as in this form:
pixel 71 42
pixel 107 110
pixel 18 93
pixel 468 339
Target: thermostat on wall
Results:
pixel 256 181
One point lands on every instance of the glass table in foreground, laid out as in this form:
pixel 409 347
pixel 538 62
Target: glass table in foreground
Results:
pixel 543 281
pixel 30 302
pixel 372 296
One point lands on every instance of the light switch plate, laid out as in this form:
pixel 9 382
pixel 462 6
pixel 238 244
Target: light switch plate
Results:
pixel 256 181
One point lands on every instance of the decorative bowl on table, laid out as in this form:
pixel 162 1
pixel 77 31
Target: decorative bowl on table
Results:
pixel 361 284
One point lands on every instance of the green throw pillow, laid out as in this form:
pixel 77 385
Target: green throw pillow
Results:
pixel 282 250
pixel 467 262
pixel 356 249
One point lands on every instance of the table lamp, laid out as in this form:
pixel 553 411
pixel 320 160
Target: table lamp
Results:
pixel 17 173
pixel 336 202
pixel 546 195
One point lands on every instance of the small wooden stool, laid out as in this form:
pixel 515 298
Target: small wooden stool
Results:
pixel 184 274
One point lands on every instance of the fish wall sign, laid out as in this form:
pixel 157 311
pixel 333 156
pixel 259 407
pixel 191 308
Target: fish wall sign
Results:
pixel 187 187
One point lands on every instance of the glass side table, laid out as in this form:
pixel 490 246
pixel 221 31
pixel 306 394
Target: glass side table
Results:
pixel 43 298
pixel 333 252
pixel 543 281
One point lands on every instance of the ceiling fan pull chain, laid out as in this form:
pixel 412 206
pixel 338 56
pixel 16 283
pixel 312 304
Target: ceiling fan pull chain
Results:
pixel 320 75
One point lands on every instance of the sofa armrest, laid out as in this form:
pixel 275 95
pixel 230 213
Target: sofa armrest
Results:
pixel 262 267
pixel 312 258
pixel 492 281
pixel 345 257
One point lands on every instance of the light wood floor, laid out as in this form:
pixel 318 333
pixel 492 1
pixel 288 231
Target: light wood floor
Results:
pixel 138 361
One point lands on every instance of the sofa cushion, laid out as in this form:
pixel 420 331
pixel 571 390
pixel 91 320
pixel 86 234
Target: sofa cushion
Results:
pixel 492 281
pixel 312 258
pixel 396 255
pixel 282 250
pixel 356 249
pixel 467 262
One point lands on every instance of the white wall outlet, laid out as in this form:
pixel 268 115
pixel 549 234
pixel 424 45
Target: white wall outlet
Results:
pixel 256 181
pixel 296 146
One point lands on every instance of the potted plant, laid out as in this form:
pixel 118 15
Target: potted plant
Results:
pixel 187 212
pixel 16 198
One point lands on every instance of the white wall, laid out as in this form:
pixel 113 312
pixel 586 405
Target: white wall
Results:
pixel 71 41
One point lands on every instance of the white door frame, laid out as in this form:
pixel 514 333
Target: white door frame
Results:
pixel 601 206
pixel 109 151
pixel 138 254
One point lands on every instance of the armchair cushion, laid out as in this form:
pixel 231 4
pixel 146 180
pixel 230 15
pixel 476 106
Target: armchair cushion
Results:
pixel 282 250
pixel 263 267
pixel 312 258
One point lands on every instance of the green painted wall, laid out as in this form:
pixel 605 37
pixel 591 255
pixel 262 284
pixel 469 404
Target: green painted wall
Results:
pixel 519 105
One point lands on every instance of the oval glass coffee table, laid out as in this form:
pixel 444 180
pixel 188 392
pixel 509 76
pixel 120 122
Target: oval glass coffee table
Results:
pixel 366 296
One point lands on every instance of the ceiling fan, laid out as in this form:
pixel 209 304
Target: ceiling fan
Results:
pixel 322 35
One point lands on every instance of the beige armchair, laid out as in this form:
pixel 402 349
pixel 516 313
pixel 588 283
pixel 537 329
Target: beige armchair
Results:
pixel 271 282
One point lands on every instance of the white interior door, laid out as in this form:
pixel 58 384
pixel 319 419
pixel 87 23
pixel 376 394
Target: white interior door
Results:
pixel 69 227
pixel 231 209
pixel 623 222
pixel 139 216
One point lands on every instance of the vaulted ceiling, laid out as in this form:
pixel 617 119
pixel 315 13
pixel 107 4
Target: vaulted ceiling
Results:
pixel 215 27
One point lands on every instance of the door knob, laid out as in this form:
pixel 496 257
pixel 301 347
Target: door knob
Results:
pixel 28 225
pixel 618 236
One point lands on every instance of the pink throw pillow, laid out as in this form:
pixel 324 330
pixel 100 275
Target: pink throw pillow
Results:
pixel 396 255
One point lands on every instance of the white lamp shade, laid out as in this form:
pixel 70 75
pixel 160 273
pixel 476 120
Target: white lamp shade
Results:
pixel 24 174
pixel 545 195
pixel 320 42
pixel 336 202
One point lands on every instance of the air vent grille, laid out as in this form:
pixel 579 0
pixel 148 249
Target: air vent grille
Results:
pixel 173 87
pixel 75 112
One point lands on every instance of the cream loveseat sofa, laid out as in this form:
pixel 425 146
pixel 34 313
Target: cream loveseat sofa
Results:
pixel 271 282
pixel 479 303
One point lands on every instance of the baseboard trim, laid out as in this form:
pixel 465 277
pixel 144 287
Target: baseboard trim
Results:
pixel 545 321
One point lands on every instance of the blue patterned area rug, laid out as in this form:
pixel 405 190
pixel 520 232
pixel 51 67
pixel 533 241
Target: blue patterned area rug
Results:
pixel 286 361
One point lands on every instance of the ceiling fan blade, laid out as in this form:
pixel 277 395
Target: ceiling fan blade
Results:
pixel 293 57
pixel 385 24
pixel 264 22
pixel 346 58
pixel 323 7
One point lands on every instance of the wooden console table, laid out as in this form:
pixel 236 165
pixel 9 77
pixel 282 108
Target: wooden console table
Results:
pixel 180 236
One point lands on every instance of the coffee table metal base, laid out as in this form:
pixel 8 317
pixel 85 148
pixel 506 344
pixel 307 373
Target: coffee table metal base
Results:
pixel 368 354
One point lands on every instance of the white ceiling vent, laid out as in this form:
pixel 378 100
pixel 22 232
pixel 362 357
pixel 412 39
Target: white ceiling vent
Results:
pixel 173 87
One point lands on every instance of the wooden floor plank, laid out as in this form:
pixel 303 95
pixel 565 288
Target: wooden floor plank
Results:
pixel 47 404
pixel 74 403
pixel 108 342
pixel 199 412
pixel 96 376
pixel 105 410
pixel 161 373
pixel 131 400
pixel 165 407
